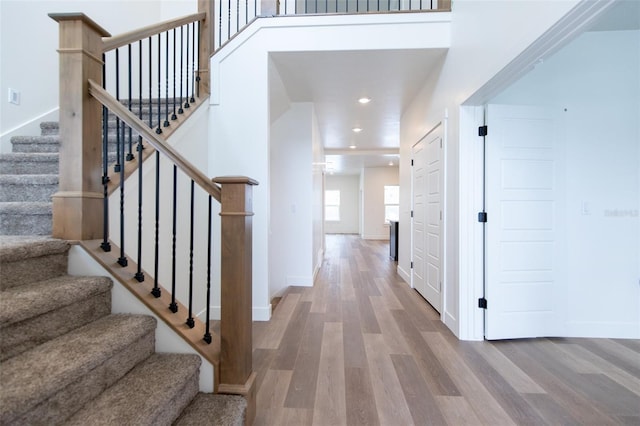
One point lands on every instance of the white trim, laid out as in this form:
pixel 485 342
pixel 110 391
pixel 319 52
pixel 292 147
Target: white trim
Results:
pixel 600 329
pixel 406 276
pixel 384 237
pixel 258 314
pixel 28 128
pixel 470 317
pixel 574 23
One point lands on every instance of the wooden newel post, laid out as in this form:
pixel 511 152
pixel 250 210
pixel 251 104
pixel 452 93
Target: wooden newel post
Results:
pixel 236 375
pixel 205 45
pixel 77 206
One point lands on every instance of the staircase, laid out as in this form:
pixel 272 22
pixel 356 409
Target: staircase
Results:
pixel 28 178
pixel 64 358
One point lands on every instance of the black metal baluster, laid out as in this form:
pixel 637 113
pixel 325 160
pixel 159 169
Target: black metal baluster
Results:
pixel 166 80
pixel 180 110
pixel 198 62
pixel 105 245
pixel 229 22
pixel 174 306
pixel 190 322
pixel 237 15
pixel 193 62
pixel 207 333
pixel 139 275
pixel 220 24
pixel 174 116
pixel 140 83
pixel 122 260
pixel 130 153
pixel 150 83
pixel 246 12
pixel 159 129
pixel 186 93
pixel 156 289
pixel 117 166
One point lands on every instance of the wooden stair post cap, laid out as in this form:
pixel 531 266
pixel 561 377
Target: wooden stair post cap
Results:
pixel 235 179
pixel 79 16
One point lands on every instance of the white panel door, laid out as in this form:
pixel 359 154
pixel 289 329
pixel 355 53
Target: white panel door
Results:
pixel 419 201
pixel 427 217
pixel 433 288
pixel 525 285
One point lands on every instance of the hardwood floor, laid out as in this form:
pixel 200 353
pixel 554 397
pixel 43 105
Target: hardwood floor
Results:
pixel 362 348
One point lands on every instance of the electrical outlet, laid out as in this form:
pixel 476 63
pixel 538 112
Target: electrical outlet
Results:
pixel 14 97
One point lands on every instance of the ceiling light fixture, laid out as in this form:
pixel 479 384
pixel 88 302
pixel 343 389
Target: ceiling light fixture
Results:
pixel 357 129
pixel 391 163
pixel 352 147
pixel 364 100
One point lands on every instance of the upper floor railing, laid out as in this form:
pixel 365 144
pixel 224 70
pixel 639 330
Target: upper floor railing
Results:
pixel 231 16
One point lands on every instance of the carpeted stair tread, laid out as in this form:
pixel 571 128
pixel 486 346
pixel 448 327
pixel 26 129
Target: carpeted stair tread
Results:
pixel 28 187
pixel 34 313
pixel 153 393
pixel 48 143
pixel 30 300
pixel 214 410
pixel 20 163
pixel 37 375
pixel 49 128
pixel 13 248
pixel 25 217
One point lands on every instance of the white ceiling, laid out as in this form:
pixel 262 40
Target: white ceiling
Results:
pixel 334 81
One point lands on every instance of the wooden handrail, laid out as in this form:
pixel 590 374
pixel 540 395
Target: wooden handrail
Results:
pixel 157 141
pixel 110 43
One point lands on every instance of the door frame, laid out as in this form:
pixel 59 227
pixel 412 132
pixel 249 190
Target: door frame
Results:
pixel 443 225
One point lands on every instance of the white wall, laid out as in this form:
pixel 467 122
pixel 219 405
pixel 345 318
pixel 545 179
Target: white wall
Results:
pixel 30 66
pixel 317 148
pixel 486 36
pixel 349 187
pixel 373 181
pixel 291 236
pixel 240 115
pixel 595 81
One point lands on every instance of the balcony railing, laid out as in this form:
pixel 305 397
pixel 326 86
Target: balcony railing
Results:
pixel 231 16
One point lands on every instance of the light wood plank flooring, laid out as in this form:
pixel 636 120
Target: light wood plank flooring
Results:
pixel 362 348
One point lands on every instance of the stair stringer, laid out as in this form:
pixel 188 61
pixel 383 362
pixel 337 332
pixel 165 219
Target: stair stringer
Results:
pixel 123 301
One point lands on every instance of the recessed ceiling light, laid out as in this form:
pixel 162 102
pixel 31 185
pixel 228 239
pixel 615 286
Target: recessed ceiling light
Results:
pixel 364 100
pixel 352 146
pixel 391 163
pixel 357 129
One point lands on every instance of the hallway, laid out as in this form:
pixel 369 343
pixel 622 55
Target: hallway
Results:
pixel 362 348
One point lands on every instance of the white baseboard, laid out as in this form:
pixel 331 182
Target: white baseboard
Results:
pixel 384 237
pixel 451 323
pixel 299 281
pixel 611 330
pixel 259 314
pixel 406 276
pixel 28 128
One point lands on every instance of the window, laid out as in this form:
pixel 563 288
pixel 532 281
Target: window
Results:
pixel 391 203
pixel 332 205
